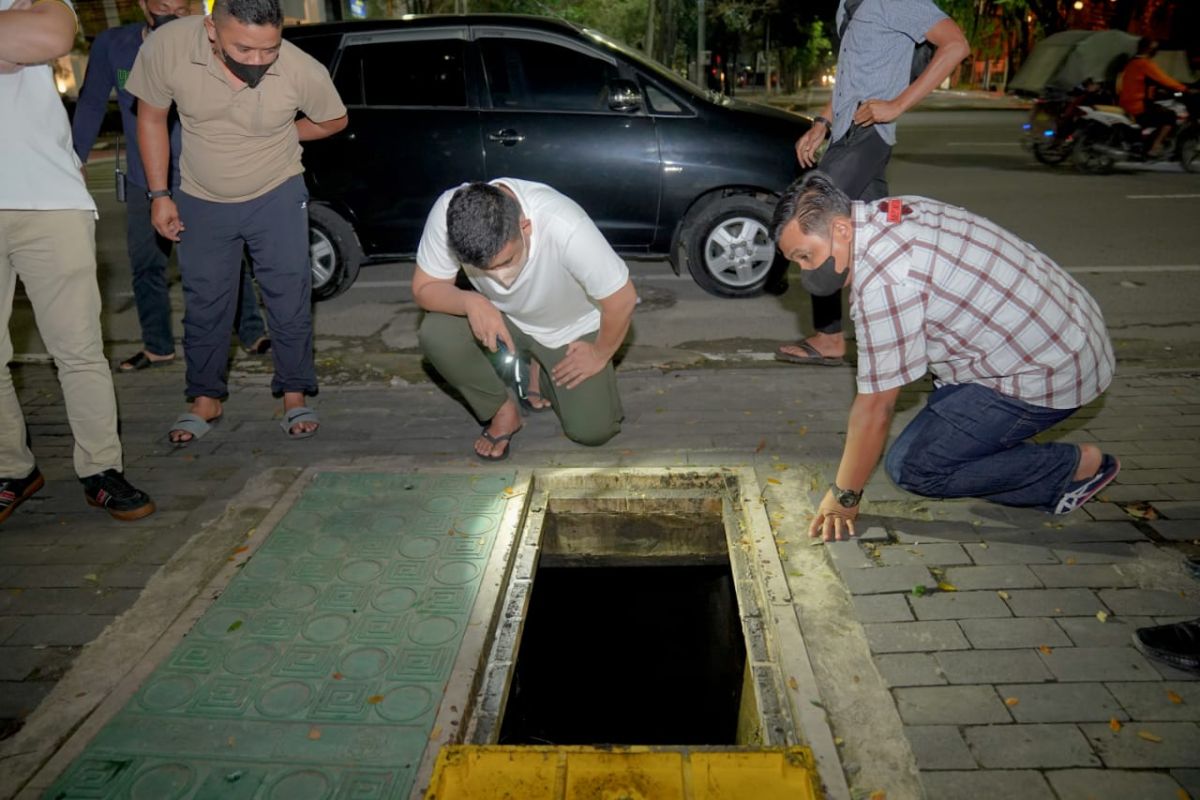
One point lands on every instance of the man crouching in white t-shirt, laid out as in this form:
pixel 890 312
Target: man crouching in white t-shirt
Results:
pixel 547 285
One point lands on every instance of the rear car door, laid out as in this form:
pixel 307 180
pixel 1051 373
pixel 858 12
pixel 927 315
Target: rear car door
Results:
pixel 413 132
pixel 546 117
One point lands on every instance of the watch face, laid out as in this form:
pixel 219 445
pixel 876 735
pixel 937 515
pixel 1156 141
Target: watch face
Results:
pixel 847 498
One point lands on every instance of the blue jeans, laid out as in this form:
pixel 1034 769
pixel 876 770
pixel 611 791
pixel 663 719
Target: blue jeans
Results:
pixel 971 441
pixel 148 256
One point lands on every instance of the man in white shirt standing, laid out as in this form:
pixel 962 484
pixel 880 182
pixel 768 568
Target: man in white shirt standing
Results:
pixel 547 284
pixel 47 239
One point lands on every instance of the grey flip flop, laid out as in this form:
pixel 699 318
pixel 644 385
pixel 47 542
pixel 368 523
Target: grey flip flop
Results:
pixel 194 424
pixel 301 414
pixel 813 356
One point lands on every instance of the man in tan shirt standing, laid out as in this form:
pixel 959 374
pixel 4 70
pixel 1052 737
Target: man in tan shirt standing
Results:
pixel 237 87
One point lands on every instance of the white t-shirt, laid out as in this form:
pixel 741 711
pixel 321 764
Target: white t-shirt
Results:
pixel 570 265
pixel 38 166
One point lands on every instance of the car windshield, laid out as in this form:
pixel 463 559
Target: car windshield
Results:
pixel 659 71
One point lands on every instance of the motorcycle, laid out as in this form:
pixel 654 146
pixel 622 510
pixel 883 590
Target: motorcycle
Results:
pixel 1054 120
pixel 1108 135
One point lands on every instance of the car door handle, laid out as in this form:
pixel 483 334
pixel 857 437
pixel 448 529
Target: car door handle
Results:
pixel 507 137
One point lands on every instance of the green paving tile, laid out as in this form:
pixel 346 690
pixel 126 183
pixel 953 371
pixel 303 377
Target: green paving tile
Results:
pixel 318 672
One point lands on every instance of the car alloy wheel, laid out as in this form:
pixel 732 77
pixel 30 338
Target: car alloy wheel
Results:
pixel 738 252
pixel 323 257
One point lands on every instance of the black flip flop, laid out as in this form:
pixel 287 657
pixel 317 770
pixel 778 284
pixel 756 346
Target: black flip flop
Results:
pixel 140 360
pixel 813 356
pixel 527 406
pixel 495 440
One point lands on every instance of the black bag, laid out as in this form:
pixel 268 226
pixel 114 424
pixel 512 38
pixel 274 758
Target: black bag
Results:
pixel 922 53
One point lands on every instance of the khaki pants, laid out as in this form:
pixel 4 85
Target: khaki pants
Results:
pixel 54 255
pixel 590 413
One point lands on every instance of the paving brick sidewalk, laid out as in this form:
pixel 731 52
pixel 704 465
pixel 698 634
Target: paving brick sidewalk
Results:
pixel 1006 687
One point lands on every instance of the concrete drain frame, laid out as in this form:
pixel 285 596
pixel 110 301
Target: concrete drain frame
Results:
pixel 784 703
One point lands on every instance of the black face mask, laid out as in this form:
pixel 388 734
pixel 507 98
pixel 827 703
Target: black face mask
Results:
pixel 158 20
pixel 824 280
pixel 249 74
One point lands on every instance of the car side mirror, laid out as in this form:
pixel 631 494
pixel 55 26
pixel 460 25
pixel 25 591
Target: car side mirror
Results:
pixel 624 96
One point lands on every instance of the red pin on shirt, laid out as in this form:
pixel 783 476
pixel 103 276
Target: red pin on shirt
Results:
pixel 894 209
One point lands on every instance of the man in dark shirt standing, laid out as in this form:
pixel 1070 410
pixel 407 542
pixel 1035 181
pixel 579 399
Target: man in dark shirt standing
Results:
pixel 109 63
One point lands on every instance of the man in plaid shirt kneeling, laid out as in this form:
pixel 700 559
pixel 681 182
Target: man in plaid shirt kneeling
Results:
pixel 1015 346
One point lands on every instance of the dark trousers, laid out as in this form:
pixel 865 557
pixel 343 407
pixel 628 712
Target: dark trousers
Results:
pixel 856 163
pixel 148 256
pixel 274 228
pixel 972 441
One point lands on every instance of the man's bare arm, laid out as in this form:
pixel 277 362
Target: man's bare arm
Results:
pixel 36 34
pixel 310 131
pixel 155 143
pixel 952 48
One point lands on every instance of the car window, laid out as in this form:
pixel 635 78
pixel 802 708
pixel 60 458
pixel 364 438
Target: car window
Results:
pixel 427 72
pixel 530 74
pixel 660 102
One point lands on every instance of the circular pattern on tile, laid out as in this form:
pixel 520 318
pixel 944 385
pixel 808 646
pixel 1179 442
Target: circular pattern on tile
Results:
pixel 389 523
pixel 456 573
pixel 474 525
pixel 250 658
pixel 360 571
pixel 306 784
pixel 365 662
pixel 265 567
pixel 326 628
pixel 433 630
pixel 167 693
pixel 328 546
pixel 216 624
pixel 163 782
pixel 489 485
pixel 284 699
pixel 405 703
pixel 419 547
pixel 395 600
pixel 294 595
pixel 440 504
pixel 306 522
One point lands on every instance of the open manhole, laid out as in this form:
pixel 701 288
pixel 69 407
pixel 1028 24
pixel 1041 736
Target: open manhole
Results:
pixel 642 608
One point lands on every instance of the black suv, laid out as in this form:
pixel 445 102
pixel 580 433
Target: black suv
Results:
pixel 664 168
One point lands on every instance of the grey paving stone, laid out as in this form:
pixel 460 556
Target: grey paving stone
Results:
pixel 1112 784
pixel 1089 531
pixel 936 555
pixel 886 579
pixel 1180 509
pixel 1180 742
pixel 950 705
pixel 1091 632
pixel 9 625
pixel 18 700
pixel 90 600
pixel 903 637
pixel 993 666
pixel 1029 746
pixel 939 747
pixel 1151 602
pixel 17 662
pixel 56 630
pixel 910 532
pixel 1177 530
pixel 882 608
pixel 1102 552
pixel 874 534
pixel 1172 674
pixel 1189 779
pixel 1154 701
pixel 1095 576
pixel 1061 702
pixel 1054 602
pixel 909 669
pixel 959 605
pixel 57 575
pixel 1013 632
pixel 986 785
pixel 1181 491
pixel 1098 664
pixel 1012 576
pixel 848 555
pixel 1000 553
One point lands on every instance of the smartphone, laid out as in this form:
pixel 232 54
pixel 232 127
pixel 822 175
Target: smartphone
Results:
pixel 119 183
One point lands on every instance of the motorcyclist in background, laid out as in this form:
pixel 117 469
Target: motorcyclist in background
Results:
pixel 1138 78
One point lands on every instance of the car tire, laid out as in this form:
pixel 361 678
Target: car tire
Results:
pixel 730 252
pixel 334 252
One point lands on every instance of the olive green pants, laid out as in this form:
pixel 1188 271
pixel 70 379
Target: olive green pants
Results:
pixel 590 413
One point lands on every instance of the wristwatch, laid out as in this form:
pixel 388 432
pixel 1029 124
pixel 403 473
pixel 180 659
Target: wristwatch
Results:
pixel 156 193
pixel 846 498
pixel 828 125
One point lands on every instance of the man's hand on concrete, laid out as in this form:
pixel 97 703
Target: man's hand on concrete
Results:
pixel 808 145
pixel 487 323
pixel 873 111
pixel 164 216
pixel 833 521
pixel 583 360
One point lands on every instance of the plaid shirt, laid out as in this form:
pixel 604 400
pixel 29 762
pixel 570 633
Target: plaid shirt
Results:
pixel 938 289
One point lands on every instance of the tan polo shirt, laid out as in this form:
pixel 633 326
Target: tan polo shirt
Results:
pixel 238 144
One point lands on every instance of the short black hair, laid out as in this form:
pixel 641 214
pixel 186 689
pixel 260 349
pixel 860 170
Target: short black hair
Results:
pixel 250 12
pixel 813 201
pixel 480 220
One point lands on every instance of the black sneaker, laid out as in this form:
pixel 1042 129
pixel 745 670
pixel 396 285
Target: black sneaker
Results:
pixel 109 490
pixel 14 491
pixel 1177 644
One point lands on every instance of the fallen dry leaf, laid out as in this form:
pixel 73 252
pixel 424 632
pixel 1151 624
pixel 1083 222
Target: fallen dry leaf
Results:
pixel 1174 697
pixel 1046 649
pixel 774 481
pixel 1102 616
pixel 1070 562
pixel 314 733
pixel 1011 701
pixel 879 795
pixel 1115 724
pixel 793 684
pixel 231 741
pixel 1149 737
pixel 983 545
pixel 762 445
pixel 374 699
pixel 839 741
pixel 943 586
pixel 1003 595
pixel 241 549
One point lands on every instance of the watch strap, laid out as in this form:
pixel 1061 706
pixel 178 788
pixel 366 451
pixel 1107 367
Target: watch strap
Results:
pixel 157 193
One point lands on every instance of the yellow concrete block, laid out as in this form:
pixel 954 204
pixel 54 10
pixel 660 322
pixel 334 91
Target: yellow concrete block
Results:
pixel 623 773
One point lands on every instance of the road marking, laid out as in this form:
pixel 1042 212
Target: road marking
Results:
pixel 983 144
pixel 1161 196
